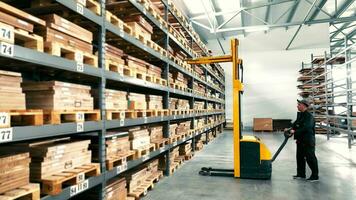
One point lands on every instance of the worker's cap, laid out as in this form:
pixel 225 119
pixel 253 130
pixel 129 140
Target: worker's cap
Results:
pixel 303 101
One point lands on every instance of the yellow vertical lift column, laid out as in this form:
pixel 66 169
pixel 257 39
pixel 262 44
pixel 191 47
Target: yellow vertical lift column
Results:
pixel 252 159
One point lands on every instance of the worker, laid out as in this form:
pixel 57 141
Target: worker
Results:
pixel 304 134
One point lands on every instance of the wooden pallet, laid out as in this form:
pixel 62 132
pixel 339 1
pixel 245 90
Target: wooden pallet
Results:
pixel 159 80
pixel 30 192
pixel 23 38
pixel 174 112
pixel 113 19
pixel 188 156
pixel 93 6
pixel 157 112
pixel 114 66
pixel 179 160
pixel 140 37
pixel 172 139
pixel 63 116
pixel 120 114
pixel 68 52
pixel 52 185
pixel 119 160
pixel 198 148
pixel 155 177
pixel 10 118
pixel 159 143
pixel 173 167
pixel 141 190
pixel 144 151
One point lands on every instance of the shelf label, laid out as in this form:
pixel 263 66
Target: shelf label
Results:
pixel 121 168
pixel 7 49
pixel 75 189
pixel 145 192
pixel 144 119
pixel 79 116
pixel 174 143
pixel 122 122
pixel 145 157
pixel 122 34
pixel 80 127
pixel 4 119
pixel 174 117
pixel 7 33
pixel 162 117
pixel 144 11
pixel 80 67
pixel 6 134
pixel 80 8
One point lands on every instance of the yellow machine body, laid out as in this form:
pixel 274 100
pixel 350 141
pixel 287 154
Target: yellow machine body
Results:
pixel 252 159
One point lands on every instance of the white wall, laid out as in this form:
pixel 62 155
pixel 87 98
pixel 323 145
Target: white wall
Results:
pixel 270 72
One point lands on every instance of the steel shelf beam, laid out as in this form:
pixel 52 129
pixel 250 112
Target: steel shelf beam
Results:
pixel 46 60
pixel 72 5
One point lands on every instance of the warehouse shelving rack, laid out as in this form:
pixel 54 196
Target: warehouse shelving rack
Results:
pixel 339 98
pixel 45 62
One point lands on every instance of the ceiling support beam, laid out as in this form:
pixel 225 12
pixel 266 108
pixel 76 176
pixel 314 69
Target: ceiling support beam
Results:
pixel 343 8
pixel 317 21
pixel 259 5
pixel 242 17
pixel 300 26
pixel 317 9
pixel 292 12
pixel 268 11
pixel 216 24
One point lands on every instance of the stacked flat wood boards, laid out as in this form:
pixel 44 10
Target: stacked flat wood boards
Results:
pixel 116 189
pixel 154 102
pixel 11 94
pixel 139 137
pixel 114 99
pixel 56 95
pixel 136 101
pixel 14 170
pixel 54 156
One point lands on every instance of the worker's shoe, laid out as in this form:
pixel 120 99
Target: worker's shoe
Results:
pixel 298 177
pixel 313 179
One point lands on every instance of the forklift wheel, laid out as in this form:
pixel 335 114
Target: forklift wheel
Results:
pixel 206 168
pixel 204 173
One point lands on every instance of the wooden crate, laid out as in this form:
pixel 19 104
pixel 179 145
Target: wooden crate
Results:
pixel 262 124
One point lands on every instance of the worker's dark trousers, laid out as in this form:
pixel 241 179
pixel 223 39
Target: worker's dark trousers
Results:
pixel 306 153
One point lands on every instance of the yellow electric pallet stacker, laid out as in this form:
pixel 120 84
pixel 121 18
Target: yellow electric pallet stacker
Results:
pixel 252 159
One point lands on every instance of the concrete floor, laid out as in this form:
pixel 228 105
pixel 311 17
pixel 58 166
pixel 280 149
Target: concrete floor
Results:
pixel 337 166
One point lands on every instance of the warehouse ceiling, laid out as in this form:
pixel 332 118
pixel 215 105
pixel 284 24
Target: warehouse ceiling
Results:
pixel 217 19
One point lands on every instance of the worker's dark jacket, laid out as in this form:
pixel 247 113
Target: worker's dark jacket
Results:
pixel 304 128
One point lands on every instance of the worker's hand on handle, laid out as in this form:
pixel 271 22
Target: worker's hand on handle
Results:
pixel 288 132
